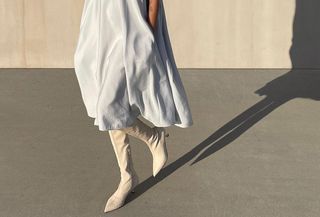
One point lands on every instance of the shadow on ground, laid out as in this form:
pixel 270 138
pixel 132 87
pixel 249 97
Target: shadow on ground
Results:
pixel 297 83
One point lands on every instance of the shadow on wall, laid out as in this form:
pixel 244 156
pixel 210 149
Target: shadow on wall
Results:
pixel 305 49
pixel 297 83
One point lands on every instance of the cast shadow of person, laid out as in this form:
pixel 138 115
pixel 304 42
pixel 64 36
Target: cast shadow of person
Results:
pixel 297 83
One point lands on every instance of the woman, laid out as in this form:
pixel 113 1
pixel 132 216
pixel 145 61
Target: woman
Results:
pixel 125 68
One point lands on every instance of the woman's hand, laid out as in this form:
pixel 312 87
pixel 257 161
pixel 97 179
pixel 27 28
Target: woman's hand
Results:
pixel 153 13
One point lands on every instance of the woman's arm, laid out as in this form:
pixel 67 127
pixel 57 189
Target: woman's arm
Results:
pixel 153 12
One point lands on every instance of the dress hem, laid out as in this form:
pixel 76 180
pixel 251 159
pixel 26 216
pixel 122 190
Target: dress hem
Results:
pixel 129 123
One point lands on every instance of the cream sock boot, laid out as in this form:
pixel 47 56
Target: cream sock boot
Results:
pixel 129 178
pixel 154 137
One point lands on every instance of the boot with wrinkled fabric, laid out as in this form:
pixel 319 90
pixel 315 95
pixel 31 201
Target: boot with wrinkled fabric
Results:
pixel 154 137
pixel 129 179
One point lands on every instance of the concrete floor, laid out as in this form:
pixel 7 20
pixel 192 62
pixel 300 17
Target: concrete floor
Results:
pixel 253 150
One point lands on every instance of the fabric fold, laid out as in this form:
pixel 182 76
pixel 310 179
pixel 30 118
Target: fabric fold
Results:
pixel 124 69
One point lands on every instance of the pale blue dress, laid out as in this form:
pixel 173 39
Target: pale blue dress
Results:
pixel 125 70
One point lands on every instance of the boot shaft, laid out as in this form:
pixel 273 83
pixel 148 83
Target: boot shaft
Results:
pixel 142 131
pixel 122 149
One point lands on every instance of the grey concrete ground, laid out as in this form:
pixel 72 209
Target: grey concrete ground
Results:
pixel 253 150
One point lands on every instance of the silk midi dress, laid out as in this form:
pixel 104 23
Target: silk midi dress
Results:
pixel 124 69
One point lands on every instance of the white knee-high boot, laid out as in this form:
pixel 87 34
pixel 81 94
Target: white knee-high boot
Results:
pixel 129 178
pixel 154 137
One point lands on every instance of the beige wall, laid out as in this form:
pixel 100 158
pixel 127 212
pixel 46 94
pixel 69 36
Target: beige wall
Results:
pixel 204 33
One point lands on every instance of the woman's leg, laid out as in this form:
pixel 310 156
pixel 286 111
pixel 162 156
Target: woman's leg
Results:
pixel 129 178
pixel 154 137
